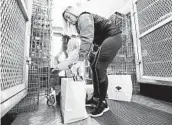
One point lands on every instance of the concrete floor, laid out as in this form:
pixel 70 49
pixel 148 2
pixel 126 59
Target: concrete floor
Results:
pixel 47 116
pixel 51 115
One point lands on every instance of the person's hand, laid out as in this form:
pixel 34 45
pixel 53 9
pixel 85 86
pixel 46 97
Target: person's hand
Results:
pixel 57 58
pixel 75 67
pixel 78 69
pixel 92 57
pixel 55 70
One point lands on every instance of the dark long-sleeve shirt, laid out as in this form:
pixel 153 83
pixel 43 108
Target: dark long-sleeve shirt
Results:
pixel 94 29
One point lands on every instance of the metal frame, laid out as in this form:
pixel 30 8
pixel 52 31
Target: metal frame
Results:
pixel 42 61
pixel 157 26
pixel 22 6
pixel 16 89
pixel 10 103
pixel 137 45
pixel 135 38
pixel 14 94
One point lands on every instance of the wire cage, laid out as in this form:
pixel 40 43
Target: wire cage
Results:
pixel 154 40
pixel 12 54
pixel 39 52
pixel 40 46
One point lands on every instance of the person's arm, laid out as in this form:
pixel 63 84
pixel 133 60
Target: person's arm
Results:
pixel 86 32
pixel 62 49
pixel 73 58
pixel 58 55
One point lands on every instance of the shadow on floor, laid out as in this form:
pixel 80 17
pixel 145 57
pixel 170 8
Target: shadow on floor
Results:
pixel 160 92
pixel 8 119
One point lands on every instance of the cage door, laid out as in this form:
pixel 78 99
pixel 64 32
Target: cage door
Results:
pixel 152 20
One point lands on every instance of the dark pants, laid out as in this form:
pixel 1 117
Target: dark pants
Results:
pixel 104 57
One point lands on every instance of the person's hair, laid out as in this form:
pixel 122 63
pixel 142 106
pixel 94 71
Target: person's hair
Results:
pixel 67 25
pixel 66 38
pixel 63 14
pixel 73 10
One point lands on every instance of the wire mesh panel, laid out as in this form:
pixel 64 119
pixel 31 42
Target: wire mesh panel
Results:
pixel 156 52
pixel 38 74
pixel 44 77
pixel 12 44
pixel 155 30
pixel 152 12
pixel 33 80
pixel 40 43
pixel 12 51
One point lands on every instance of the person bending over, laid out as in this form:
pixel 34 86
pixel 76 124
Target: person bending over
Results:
pixel 100 41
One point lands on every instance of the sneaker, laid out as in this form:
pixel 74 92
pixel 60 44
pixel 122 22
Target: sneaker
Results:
pixel 91 103
pixel 101 108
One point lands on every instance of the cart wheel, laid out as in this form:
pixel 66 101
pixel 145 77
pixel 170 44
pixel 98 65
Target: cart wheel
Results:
pixel 51 101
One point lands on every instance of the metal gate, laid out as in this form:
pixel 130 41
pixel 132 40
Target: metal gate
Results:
pixel 13 53
pixel 152 29
pixel 40 46
pixel 18 93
